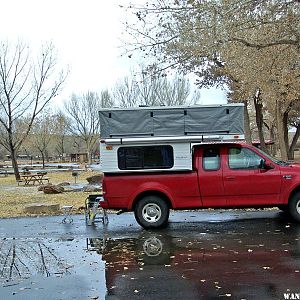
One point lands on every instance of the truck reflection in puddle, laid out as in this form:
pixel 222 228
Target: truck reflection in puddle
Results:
pixel 259 262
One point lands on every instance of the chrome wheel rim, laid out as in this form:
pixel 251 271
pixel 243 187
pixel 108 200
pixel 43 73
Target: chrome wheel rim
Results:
pixel 151 212
pixel 298 207
pixel 153 247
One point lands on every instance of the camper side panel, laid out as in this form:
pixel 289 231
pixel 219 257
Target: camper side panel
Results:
pixel 181 154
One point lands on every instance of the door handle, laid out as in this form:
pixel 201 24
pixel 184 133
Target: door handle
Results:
pixel 230 178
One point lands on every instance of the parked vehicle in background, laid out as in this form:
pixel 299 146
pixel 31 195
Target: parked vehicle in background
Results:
pixel 188 158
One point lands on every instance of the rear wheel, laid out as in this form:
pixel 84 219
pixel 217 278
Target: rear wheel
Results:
pixel 152 212
pixel 294 207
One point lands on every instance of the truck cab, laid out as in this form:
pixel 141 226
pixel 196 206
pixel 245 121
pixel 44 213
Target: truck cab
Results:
pixel 237 174
pixel 223 175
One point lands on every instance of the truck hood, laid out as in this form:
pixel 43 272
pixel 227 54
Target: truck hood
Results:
pixel 295 165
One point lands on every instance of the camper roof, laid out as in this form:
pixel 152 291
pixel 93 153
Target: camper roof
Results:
pixel 172 139
pixel 178 121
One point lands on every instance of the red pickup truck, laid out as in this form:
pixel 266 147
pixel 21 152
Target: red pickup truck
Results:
pixel 223 175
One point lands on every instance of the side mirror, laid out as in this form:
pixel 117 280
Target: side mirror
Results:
pixel 264 166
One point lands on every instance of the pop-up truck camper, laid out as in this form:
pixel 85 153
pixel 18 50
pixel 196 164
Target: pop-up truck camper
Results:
pixel 159 158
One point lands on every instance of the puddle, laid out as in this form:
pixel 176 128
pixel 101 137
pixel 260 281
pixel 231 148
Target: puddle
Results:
pixel 21 259
pixel 33 268
pixel 263 263
pixel 248 259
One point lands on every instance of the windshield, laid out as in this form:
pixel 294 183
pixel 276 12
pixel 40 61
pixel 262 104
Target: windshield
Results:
pixel 273 159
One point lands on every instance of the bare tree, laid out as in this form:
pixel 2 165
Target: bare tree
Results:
pixel 83 113
pixel 106 99
pixel 42 134
pixel 26 87
pixel 60 133
pixel 126 92
pixel 153 88
pixel 176 91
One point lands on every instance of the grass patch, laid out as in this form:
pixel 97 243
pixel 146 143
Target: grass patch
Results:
pixel 14 198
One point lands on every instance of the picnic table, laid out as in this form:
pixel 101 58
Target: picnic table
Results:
pixel 3 172
pixel 32 178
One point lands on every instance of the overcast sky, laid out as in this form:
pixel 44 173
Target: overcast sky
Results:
pixel 87 35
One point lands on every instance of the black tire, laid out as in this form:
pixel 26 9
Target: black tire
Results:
pixel 284 208
pixel 294 207
pixel 152 212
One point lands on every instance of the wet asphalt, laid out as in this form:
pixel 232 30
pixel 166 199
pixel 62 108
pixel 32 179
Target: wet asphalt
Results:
pixel 200 255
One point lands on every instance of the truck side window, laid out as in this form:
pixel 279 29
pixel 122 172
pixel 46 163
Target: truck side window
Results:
pixel 243 158
pixel 145 157
pixel 211 159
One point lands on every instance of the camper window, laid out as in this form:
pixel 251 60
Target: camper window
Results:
pixel 145 157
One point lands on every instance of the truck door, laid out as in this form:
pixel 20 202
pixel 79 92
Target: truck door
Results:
pixel 210 176
pixel 245 183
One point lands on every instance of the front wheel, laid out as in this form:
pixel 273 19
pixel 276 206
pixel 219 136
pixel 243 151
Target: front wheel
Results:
pixel 294 207
pixel 152 212
pixel 284 208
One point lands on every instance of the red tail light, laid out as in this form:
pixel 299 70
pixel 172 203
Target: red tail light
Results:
pixel 103 186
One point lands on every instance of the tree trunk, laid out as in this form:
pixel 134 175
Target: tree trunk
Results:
pixel 14 162
pixel 259 120
pixel 273 138
pixel 13 156
pixel 43 159
pixel 248 136
pixel 89 153
pixel 294 142
pixel 89 147
pixel 281 132
pixel 285 118
pixel 62 144
pixel 47 156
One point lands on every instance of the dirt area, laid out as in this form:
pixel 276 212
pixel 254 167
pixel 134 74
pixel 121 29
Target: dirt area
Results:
pixel 14 198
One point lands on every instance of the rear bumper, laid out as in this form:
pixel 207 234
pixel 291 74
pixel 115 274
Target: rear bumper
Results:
pixel 103 203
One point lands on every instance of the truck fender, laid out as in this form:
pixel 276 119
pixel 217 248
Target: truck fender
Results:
pixel 149 189
pixel 286 195
pixel 291 193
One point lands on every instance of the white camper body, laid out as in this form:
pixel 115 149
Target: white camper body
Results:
pixel 182 151
pixel 165 141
